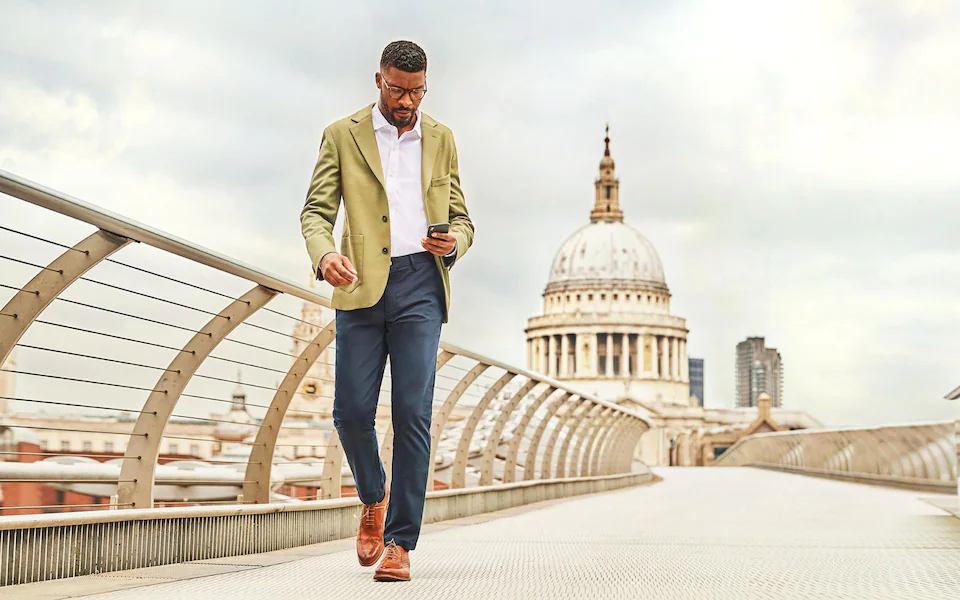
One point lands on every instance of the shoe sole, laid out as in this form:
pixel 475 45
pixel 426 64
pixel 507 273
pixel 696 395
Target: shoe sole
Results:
pixel 385 577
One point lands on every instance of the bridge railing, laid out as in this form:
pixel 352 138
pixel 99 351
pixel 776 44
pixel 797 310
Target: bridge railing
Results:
pixel 114 318
pixel 919 456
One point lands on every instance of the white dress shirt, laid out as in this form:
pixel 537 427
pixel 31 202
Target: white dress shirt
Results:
pixel 401 158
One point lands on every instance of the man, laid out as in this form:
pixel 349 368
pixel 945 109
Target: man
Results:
pixel 396 171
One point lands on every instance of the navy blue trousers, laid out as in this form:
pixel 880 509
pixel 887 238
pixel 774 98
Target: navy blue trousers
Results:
pixel 404 325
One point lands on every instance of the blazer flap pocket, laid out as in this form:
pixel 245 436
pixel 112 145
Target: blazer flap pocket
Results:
pixel 443 180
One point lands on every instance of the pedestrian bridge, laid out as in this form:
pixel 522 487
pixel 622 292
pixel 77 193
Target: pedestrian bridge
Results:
pixel 534 491
pixel 701 532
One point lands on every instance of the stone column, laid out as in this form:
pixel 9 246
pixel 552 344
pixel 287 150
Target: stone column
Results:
pixel 668 358
pixel 625 359
pixel 552 356
pixel 654 349
pixel 564 356
pixel 530 364
pixel 595 355
pixel 675 359
pixel 575 368
pixel 684 362
pixel 544 355
pixel 609 370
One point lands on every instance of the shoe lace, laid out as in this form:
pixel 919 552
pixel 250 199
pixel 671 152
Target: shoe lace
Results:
pixel 369 516
pixel 392 551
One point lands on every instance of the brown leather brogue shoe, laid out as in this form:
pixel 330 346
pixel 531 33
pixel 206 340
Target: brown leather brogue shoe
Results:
pixel 395 565
pixel 370 532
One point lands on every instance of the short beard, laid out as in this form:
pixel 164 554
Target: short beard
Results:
pixel 388 115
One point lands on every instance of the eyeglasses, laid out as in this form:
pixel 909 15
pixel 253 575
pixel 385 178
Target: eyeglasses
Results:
pixel 398 92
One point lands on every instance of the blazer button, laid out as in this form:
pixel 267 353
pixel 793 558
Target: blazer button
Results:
pixel 385 250
pixel 384 219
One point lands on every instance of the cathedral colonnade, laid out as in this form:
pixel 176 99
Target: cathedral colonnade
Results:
pixel 614 354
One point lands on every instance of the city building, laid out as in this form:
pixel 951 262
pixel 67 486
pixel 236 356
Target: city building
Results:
pixel 606 324
pixel 695 369
pixel 606 327
pixel 759 369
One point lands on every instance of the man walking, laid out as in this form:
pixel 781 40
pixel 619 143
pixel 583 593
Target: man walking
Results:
pixel 396 171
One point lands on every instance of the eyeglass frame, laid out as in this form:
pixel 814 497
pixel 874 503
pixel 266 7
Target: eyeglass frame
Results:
pixel 404 91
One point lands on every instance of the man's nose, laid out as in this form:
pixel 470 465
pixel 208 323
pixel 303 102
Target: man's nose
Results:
pixel 406 101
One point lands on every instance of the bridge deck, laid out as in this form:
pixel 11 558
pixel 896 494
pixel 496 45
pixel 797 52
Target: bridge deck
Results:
pixel 701 533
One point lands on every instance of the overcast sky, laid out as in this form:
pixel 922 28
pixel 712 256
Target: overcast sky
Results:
pixel 794 163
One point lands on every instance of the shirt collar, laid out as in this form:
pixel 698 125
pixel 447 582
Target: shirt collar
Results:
pixel 380 122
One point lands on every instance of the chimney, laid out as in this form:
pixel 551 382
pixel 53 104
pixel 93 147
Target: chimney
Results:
pixel 763 404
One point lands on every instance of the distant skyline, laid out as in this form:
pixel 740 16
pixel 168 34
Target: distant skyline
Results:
pixel 792 162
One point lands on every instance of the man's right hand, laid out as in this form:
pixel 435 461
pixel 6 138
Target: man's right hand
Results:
pixel 337 269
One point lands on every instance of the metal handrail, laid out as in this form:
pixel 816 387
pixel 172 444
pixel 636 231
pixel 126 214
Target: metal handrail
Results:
pixel 909 454
pixel 139 473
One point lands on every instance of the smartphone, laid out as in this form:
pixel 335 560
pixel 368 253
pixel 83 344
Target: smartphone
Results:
pixel 438 227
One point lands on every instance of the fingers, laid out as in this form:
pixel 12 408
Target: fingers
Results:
pixel 349 266
pixel 437 247
pixel 344 272
pixel 338 271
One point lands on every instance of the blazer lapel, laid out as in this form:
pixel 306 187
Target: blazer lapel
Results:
pixel 431 142
pixel 367 142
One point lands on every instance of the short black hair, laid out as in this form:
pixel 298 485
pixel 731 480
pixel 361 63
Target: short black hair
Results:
pixel 405 56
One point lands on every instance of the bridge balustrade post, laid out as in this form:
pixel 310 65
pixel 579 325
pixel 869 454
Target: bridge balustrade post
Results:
pixel 571 411
pixel 530 460
pixel 510 467
pixel 139 467
pixel 440 417
pixel 596 451
pixel 610 444
pixel 574 431
pixel 47 285
pixel 600 423
pixel 633 438
pixel 459 476
pixel 493 442
pixel 256 481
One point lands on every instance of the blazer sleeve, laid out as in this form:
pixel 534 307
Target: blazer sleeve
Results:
pixel 461 226
pixel 320 210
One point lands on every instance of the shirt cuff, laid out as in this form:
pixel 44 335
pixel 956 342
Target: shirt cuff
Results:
pixel 452 252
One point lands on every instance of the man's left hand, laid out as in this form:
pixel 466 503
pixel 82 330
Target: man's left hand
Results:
pixel 441 244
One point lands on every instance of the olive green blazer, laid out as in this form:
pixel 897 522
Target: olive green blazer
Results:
pixel 349 168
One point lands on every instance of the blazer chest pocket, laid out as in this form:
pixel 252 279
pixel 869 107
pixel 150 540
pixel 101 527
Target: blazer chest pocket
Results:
pixel 351 246
pixel 438 199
